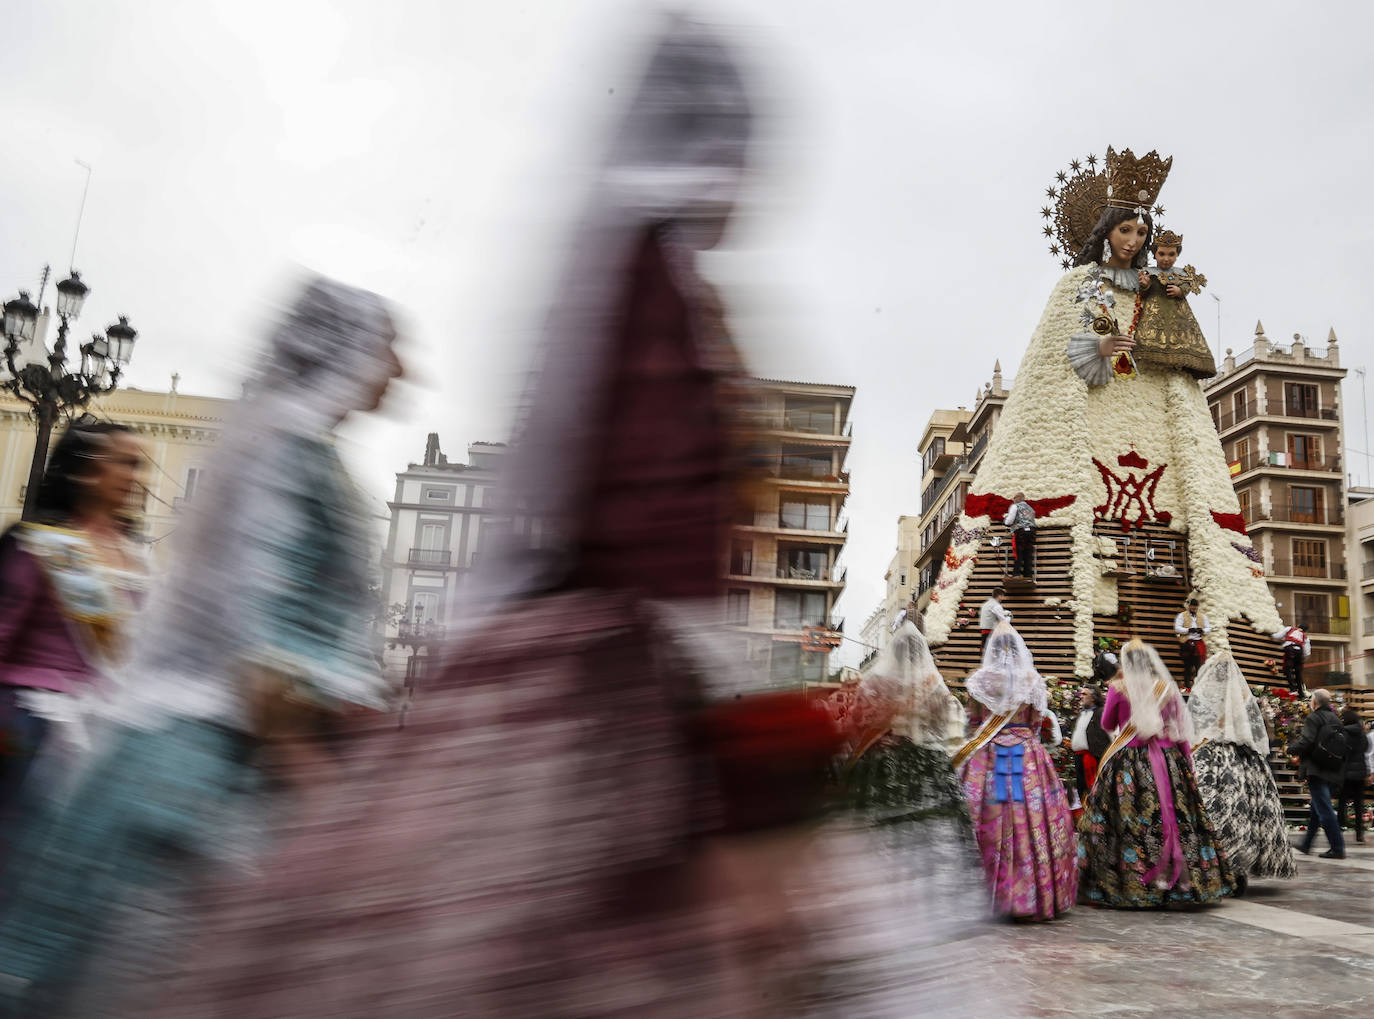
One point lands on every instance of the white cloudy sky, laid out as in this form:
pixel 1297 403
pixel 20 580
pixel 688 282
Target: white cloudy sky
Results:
pixel 434 150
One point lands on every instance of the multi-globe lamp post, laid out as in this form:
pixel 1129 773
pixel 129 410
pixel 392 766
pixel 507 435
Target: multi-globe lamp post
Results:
pixel 42 378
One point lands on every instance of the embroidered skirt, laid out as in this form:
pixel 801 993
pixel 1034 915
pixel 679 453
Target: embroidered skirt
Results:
pixel 1243 805
pixel 1025 831
pixel 1122 843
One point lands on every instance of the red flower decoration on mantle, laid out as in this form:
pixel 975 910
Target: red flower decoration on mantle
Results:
pixel 990 505
pixel 1230 521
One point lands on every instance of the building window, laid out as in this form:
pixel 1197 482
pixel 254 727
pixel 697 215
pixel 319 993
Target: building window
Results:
pixel 737 607
pixel 1305 505
pixel 794 609
pixel 1311 612
pixel 1239 402
pixel 1216 416
pixel 1304 452
pixel 1309 558
pixel 935 450
pixel 790 664
pixel 742 558
pixel 1300 399
pixel 816 416
pixel 803 464
pixel 803 563
pixel 1243 453
pixel 804 514
pixel 194 477
pixel 1243 497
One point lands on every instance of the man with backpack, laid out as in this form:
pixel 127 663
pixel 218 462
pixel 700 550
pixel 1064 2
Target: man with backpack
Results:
pixel 1320 752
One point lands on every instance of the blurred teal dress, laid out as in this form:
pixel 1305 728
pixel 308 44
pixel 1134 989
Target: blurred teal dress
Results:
pixel 274 572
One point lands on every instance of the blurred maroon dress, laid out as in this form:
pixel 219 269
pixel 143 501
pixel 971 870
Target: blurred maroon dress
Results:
pixel 527 844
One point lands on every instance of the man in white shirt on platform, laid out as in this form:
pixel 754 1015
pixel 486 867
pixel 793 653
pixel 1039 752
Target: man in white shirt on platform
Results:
pixel 1191 627
pixel 991 614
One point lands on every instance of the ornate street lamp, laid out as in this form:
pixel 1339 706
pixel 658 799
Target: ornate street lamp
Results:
pixel 52 389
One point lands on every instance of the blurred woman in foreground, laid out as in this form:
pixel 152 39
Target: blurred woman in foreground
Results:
pixel 261 624
pixel 70 581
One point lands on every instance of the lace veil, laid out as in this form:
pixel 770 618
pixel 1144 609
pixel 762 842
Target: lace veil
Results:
pixel 905 686
pixel 1142 671
pixel 1007 679
pixel 1224 709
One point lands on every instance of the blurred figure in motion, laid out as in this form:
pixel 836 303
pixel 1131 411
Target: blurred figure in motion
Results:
pixel 565 826
pixel 1019 807
pixel 70 581
pixel 260 628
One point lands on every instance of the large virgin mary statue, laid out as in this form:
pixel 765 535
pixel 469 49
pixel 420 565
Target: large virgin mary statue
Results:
pixel 1110 441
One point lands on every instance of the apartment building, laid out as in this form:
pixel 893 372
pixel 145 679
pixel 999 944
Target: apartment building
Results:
pixel 439 514
pixel 1360 553
pixel 784 572
pixel 1277 409
pixel 951 448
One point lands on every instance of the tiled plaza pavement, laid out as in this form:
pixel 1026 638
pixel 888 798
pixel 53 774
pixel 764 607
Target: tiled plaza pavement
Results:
pixel 1287 948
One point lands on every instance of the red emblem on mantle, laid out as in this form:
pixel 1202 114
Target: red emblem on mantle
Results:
pixel 1132 493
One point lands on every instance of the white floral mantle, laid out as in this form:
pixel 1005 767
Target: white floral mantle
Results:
pixel 1155 423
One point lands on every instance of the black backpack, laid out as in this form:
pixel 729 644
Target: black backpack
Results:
pixel 1332 746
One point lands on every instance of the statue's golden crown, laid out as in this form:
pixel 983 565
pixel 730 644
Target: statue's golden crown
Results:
pixel 1168 239
pixel 1135 183
pixel 1080 195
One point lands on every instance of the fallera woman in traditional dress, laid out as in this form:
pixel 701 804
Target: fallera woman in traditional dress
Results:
pixel 264 617
pixel 70 582
pixel 1019 808
pixel 1100 429
pixel 1231 762
pixel 898 777
pixel 1144 838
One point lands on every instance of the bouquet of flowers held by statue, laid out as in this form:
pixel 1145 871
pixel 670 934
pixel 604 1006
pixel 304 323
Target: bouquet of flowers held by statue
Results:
pixel 1098 315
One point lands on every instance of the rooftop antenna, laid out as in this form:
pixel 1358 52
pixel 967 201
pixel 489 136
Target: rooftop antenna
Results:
pixel 82 212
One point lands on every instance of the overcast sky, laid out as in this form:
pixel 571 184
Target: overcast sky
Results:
pixel 435 152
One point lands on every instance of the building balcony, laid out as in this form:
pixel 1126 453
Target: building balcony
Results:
pixel 1286 513
pixel 807 429
pixel 798 477
pixel 791 576
pixel 429 557
pixel 1283 463
pixel 978 448
pixel 1325 625
pixel 1286 568
pixel 1367 574
pixel 408 632
pixel 937 488
pixel 1325 416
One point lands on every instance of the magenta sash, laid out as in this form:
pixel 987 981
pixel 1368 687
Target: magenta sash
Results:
pixel 1172 856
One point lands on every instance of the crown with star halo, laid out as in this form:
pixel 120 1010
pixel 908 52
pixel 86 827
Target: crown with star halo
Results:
pixel 1083 192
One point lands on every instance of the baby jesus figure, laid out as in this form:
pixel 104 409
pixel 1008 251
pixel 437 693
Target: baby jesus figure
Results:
pixel 1167 335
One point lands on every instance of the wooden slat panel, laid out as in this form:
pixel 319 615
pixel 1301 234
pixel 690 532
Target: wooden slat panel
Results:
pixel 1048 630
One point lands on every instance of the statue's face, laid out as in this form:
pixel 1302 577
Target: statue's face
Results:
pixel 1127 238
pixel 1166 257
